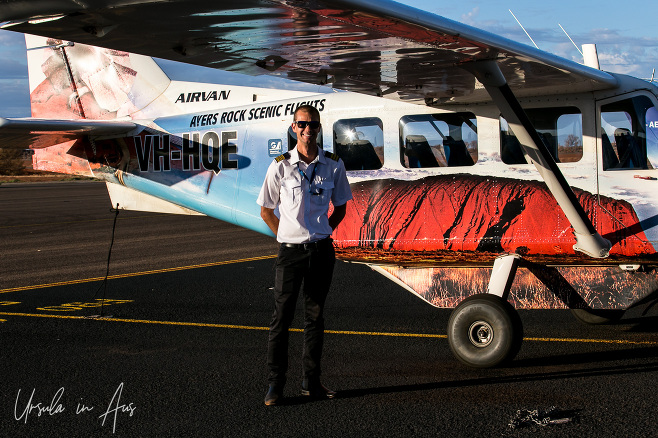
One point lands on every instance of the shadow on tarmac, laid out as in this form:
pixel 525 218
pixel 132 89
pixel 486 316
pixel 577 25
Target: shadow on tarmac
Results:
pixel 570 373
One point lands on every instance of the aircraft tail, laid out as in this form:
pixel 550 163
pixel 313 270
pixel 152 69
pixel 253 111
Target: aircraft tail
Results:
pixel 77 81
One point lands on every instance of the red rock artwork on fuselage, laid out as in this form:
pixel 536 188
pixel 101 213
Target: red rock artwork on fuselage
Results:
pixel 478 213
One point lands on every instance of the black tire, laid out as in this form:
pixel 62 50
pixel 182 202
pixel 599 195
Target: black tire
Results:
pixel 598 316
pixel 484 331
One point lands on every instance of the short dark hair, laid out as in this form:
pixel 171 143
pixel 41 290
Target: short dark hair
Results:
pixel 310 109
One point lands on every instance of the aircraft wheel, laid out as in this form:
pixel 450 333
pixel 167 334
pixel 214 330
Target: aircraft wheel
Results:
pixel 484 331
pixel 598 316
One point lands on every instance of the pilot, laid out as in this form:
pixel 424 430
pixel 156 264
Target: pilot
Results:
pixel 300 184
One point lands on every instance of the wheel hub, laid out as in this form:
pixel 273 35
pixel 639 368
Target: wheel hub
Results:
pixel 480 333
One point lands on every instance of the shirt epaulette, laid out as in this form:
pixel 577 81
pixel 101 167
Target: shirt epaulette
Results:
pixel 331 155
pixel 282 157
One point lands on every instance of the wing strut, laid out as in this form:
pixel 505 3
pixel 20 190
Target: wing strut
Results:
pixel 588 240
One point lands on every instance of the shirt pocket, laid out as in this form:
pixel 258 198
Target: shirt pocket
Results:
pixel 291 192
pixel 324 189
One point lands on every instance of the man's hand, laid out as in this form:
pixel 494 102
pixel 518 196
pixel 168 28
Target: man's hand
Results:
pixel 337 216
pixel 270 219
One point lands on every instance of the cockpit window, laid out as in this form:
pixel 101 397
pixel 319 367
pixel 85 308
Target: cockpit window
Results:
pixel 360 143
pixel 561 129
pixel 438 140
pixel 629 134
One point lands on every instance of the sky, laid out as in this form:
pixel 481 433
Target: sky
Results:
pixel 626 39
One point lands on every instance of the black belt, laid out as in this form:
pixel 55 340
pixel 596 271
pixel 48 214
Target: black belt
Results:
pixel 309 245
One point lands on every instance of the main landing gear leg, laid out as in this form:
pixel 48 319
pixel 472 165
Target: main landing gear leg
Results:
pixel 485 330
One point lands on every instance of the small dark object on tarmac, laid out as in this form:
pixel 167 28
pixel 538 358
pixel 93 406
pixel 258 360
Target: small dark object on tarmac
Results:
pixel 537 417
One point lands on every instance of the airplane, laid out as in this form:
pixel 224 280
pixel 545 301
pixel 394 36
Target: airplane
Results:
pixel 488 176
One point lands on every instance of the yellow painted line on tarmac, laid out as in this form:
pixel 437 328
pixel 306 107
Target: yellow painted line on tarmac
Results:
pixel 133 274
pixel 592 341
pixel 336 332
pixel 399 335
pixel 136 321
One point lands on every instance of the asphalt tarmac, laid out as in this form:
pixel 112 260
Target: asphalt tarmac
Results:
pixel 173 343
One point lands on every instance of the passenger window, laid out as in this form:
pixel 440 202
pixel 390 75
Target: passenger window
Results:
pixel 652 136
pixel 360 143
pixel 628 134
pixel 438 140
pixel 561 129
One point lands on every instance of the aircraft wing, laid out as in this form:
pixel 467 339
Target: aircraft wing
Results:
pixel 375 47
pixel 41 133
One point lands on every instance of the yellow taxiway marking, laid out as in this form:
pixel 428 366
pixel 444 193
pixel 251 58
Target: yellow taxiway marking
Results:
pixel 133 274
pixel 245 327
pixel 335 332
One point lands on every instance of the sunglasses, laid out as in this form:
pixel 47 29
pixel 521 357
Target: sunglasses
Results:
pixel 302 124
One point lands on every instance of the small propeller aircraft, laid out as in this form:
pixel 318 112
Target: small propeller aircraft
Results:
pixel 487 175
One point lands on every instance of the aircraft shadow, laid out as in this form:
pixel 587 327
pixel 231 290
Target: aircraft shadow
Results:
pixel 589 357
pixel 567 373
pixel 645 324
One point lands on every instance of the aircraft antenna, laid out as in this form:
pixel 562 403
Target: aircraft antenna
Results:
pixel 653 72
pixel 572 42
pixel 526 32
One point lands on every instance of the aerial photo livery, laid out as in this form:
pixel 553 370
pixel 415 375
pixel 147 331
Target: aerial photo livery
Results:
pixel 487 175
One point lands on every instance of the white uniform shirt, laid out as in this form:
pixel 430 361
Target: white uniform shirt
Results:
pixel 303 199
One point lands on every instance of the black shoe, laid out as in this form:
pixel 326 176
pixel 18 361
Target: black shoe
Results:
pixel 315 389
pixel 274 395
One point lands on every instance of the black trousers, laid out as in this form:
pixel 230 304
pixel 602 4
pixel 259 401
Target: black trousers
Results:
pixel 311 268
